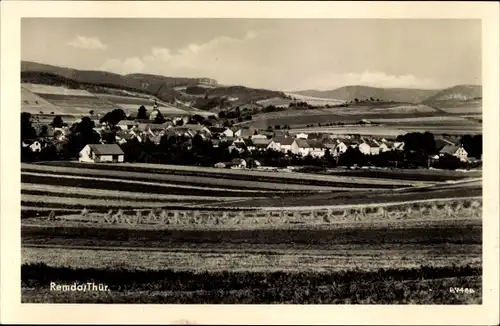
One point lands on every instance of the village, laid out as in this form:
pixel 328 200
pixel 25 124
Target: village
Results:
pixel 239 142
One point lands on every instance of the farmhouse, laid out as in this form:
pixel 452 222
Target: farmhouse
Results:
pixel 457 151
pixel 300 147
pixel 285 143
pixel 369 147
pixel 340 148
pixel 316 148
pixel 261 143
pixel 101 153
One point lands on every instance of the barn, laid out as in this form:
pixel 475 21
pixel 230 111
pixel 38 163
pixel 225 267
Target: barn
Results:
pixel 101 153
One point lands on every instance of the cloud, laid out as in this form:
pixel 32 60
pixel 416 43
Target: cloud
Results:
pixel 129 65
pixel 205 58
pixel 88 43
pixel 253 61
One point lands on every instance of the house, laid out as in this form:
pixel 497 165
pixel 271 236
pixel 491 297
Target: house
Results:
pixel 240 147
pixel 274 145
pixel 285 143
pixel 457 151
pixel 101 153
pixel 398 146
pixel 369 147
pixel 228 133
pixel 261 144
pixel 300 147
pixel 249 144
pixel 301 135
pixel 126 124
pixel 198 129
pixel 316 148
pixel 238 163
pixel 245 132
pixel 258 136
pixel 441 143
pixel 386 146
pixel 340 148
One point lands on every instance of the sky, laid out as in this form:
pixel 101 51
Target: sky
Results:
pixel 278 54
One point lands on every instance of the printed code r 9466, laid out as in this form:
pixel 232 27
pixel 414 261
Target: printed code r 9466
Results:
pixel 462 290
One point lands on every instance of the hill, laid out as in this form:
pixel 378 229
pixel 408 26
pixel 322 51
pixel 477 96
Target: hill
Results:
pixel 351 93
pixel 457 93
pixel 465 99
pixel 168 89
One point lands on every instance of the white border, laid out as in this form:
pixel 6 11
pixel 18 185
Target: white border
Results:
pixel 13 312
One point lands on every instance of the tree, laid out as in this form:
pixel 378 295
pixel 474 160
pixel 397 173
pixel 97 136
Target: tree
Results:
pixel 91 112
pixel 57 122
pixel 142 113
pixel 179 122
pixel 473 145
pixel 43 131
pixel 27 130
pixel 82 133
pixel 356 100
pixel 222 114
pixel 159 118
pixel 113 117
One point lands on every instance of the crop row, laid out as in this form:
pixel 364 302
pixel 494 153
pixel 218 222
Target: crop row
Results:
pixel 417 175
pixel 433 210
pixel 338 258
pixel 176 179
pixel 244 175
pixel 138 187
pixel 383 286
pixel 462 232
pixel 368 197
pixel 53 190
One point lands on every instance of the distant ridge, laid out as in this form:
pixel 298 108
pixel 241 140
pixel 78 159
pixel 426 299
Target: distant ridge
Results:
pixel 350 93
pixel 458 93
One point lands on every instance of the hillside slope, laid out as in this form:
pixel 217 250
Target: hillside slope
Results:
pixel 459 92
pixel 465 99
pixel 350 93
pixel 165 88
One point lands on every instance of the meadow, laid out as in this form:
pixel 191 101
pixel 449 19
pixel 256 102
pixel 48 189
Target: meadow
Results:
pixel 370 263
pixel 177 234
pixel 422 285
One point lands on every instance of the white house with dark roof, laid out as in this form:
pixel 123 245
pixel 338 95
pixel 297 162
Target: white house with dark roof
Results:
pixel 300 147
pixel 316 148
pixel 457 151
pixel 101 153
pixel 369 147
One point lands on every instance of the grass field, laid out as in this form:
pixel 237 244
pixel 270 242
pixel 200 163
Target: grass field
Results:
pixel 394 130
pixel 413 263
pixel 66 185
pixel 405 286
pixel 246 236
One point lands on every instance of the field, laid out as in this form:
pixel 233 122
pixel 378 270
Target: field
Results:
pixel 396 129
pixel 55 90
pixel 397 118
pixel 470 106
pixel 315 101
pixel 176 234
pixel 61 101
pixel 76 102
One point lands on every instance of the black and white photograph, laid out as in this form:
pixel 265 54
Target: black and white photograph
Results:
pixel 245 161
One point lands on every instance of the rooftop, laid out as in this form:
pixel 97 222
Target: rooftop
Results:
pixel 106 149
